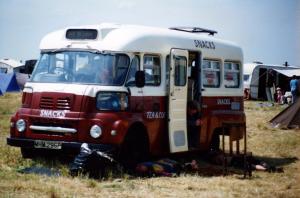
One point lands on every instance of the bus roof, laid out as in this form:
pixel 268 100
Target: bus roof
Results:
pixel 133 38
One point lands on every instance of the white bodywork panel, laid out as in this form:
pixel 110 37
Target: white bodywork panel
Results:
pixel 77 89
pixel 150 40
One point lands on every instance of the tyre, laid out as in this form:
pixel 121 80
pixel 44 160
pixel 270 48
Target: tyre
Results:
pixel 135 149
pixel 215 141
pixel 28 152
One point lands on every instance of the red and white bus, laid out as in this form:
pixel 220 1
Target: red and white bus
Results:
pixel 141 108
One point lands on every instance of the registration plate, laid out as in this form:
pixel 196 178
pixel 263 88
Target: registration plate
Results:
pixel 47 144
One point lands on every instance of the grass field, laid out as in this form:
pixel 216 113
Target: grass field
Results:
pixel 277 147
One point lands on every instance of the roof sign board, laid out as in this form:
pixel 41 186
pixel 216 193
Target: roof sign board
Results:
pixel 81 34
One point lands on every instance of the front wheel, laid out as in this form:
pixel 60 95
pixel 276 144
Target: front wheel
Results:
pixel 28 152
pixel 135 149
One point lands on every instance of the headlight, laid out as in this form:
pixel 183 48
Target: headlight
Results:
pixel 21 125
pixel 95 131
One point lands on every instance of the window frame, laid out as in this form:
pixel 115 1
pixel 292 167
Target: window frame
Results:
pixel 185 72
pixel 212 70
pixel 113 92
pixel 232 70
pixel 129 70
pixel 51 59
pixel 160 66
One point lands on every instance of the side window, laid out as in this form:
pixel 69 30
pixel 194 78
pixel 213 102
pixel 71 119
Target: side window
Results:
pixel 231 75
pixel 167 70
pixel 211 73
pixel 3 70
pixel 120 69
pixel 180 71
pixel 152 70
pixel 134 67
pixel 246 77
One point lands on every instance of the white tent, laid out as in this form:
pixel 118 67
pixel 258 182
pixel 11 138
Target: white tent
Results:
pixel 9 65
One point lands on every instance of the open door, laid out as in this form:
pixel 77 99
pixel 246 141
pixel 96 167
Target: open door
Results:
pixel 178 101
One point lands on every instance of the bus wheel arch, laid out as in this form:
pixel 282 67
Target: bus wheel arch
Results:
pixel 135 146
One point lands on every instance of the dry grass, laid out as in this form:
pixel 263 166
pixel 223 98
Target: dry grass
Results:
pixel 277 147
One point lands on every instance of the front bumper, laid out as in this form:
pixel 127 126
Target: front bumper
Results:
pixel 67 146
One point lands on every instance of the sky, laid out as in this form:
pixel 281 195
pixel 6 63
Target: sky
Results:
pixel 267 30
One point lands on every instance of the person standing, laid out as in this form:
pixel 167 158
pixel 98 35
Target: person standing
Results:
pixel 279 96
pixel 294 88
pixel 193 123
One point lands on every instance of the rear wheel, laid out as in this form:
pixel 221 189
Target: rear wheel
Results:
pixel 215 141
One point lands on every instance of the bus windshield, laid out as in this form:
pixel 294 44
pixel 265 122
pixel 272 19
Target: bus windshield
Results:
pixel 81 67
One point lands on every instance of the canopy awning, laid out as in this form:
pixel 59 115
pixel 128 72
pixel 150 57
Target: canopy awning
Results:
pixel 288 72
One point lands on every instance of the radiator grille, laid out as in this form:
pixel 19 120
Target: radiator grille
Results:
pixel 47 103
pixel 59 103
pixel 63 103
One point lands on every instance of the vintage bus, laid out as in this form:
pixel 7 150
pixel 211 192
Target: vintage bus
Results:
pixel 141 108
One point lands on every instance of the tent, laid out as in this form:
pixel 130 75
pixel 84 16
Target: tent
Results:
pixel 261 80
pixel 9 65
pixel 8 83
pixel 288 118
pixel 21 79
pixel 288 72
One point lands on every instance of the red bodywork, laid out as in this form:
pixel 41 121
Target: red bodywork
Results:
pixel 81 114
